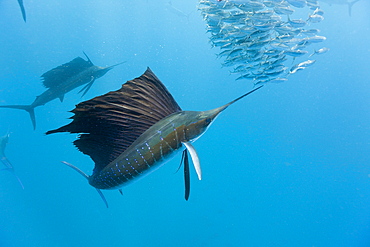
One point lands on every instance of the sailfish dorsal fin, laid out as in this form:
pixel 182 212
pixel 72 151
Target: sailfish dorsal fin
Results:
pixel 60 74
pixel 112 122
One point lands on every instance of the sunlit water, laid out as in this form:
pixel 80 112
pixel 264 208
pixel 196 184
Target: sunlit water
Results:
pixel 287 166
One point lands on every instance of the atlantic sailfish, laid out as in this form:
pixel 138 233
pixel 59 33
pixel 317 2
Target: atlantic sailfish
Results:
pixel 130 132
pixel 63 79
pixel 8 166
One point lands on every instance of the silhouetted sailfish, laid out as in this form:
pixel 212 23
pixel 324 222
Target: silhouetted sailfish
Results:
pixel 63 79
pixel 131 132
pixel 4 159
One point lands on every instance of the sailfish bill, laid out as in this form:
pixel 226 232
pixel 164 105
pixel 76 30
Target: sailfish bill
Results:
pixel 130 132
pixel 63 79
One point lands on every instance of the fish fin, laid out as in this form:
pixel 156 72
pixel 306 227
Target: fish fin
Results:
pixel 60 74
pixel 112 122
pixel 20 2
pixel 195 158
pixel 102 197
pixel 19 180
pixel 29 108
pixel 350 6
pixel 120 191
pixel 88 59
pixel 182 160
pixel 61 98
pixel 186 174
pixel 87 87
pixel 6 163
pixel 87 177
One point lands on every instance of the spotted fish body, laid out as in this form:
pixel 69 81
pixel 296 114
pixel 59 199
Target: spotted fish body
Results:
pixel 161 141
pixel 136 129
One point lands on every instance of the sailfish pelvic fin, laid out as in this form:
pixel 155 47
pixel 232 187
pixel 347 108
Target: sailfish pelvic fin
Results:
pixel 87 87
pixel 194 158
pixel 185 159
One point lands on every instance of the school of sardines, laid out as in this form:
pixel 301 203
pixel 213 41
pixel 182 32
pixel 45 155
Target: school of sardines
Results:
pixel 264 41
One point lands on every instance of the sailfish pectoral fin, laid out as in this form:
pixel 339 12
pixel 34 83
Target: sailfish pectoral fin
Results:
pixel 87 87
pixel 194 158
pixel 87 177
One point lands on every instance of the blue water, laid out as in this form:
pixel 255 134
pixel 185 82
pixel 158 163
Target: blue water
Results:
pixel 287 166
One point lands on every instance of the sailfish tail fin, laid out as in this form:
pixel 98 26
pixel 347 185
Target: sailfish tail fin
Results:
pixel 29 108
pixel 87 177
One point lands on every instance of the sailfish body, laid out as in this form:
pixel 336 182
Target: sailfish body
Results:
pixel 133 131
pixel 63 79
pixel 147 153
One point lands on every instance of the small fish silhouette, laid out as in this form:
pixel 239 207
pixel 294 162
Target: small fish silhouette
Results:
pixel 130 132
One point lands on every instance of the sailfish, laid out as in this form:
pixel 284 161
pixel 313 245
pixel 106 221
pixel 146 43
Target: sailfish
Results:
pixel 131 132
pixel 9 167
pixel 63 79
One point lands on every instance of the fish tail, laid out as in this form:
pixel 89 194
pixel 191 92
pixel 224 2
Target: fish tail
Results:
pixel 87 177
pixel 29 108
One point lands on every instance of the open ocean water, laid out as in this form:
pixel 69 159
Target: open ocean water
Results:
pixel 287 166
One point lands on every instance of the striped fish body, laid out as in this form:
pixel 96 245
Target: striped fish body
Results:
pixel 153 148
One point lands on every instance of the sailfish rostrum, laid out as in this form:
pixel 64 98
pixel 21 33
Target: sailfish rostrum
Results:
pixel 130 132
pixel 63 79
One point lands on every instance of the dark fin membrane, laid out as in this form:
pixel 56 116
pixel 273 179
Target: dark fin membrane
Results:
pixel 20 2
pixel 60 74
pixel 112 122
pixel 185 158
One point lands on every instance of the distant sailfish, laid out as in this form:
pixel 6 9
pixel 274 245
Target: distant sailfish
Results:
pixel 132 131
pixel 4 159
pixel 63 79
